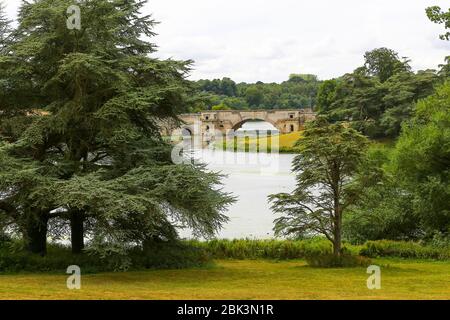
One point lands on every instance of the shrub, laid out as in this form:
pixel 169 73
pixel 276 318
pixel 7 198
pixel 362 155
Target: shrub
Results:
pixel 300 249
pixel 57 259
pixel 263 249
pixel 332 261
pixel 402 249
pixel 175 255
pixel 440 240
pixel 4 240
pixel 161 256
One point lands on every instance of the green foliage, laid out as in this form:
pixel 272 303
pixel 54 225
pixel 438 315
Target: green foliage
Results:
pixel 326 167
pixel 175 255
pixel 326 95
pixel 254 96
pixel 298 92
pixel 294 77
pixel 333 261
pixel 410 199
pixel 421 160
pixel 378 97
pixel 224 87
pixel 263 249
pixel 383 63
pixel 172 255
pixel 444 71
pixel 87 148
pixel 386 248
pixel 236 103
pixel 439 16
pixel 5 27
pixel 440 240
pixel 193 253
pixel 221 106
pixel 5 240
pixel 383 211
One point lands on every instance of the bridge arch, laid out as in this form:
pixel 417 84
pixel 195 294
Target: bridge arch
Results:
pixel 239 124
pixel 187 131
pixel 284 121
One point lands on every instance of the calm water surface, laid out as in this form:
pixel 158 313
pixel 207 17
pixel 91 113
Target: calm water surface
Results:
pixel 251 179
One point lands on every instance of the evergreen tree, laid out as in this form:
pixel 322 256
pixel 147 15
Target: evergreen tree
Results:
pixel 91 152
pixel 421 161
pixel 327 167
pixel 5 27
pixel 384 63
pixel 377 97
pixel 439 16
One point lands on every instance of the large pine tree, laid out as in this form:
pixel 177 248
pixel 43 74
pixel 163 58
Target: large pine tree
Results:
pixel 5 28
pixel 89 151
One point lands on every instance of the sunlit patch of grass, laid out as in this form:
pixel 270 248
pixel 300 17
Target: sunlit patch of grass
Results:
pixel 288 140
pixel 244 279
pixel 285 143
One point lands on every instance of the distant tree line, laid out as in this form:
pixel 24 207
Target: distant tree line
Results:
pixel 298 92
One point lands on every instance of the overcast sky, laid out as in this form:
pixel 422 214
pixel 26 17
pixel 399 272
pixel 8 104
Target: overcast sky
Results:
pixel 266 40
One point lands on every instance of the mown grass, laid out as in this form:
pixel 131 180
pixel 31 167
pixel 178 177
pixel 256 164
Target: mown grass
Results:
pixel 244 279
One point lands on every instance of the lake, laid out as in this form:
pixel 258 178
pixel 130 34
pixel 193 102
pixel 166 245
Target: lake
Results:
pixel 251 177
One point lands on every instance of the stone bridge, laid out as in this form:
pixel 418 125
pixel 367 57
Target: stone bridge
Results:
pixel 226 121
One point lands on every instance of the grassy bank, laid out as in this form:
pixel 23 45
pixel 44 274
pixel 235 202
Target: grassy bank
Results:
pixel 286 143
pixel 263 144
pixel 243 279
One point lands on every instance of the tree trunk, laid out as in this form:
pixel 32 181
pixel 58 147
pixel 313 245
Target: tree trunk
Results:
pixel 337 243
pixel 35 234
pixel 337 246
pixel 77 231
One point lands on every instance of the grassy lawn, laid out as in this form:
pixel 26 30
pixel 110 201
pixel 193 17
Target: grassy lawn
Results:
pixel 289 139
pixel 246 279
pixel 285 142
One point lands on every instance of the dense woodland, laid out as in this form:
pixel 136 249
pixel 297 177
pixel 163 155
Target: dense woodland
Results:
pixel 299 92
pixel 377 97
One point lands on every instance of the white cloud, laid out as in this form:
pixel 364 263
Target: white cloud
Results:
pixel 251 40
